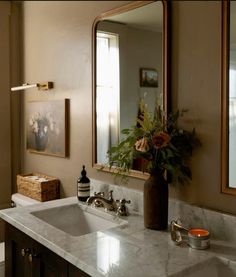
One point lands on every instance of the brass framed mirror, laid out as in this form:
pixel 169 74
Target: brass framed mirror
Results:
pixel 130 63
pixel 228 124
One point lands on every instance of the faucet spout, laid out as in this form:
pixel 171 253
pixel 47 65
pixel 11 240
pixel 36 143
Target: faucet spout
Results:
pixel 99 201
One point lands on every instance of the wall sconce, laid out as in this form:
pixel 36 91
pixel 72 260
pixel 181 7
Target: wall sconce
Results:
pixel 40 86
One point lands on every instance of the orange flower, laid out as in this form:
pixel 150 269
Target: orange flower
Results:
pixel 142 145
pixel 160 140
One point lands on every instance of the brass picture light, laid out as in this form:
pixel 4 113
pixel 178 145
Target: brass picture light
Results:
pixel 40 86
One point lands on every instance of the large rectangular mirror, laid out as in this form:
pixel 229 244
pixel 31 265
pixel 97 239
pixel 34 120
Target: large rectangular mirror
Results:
pixel 228 97
pixel 130 58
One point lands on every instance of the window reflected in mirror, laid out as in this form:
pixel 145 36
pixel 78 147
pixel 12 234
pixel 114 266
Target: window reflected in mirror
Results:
pixel 107 93
pixel 129 66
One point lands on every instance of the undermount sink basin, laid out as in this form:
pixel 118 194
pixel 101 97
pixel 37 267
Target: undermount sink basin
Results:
pixel 78 220
pixel 215 267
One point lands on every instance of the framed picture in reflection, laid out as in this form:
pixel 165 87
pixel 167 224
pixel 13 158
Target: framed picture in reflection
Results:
pixel 148 77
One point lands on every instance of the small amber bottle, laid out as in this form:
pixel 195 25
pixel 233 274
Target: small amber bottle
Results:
pixel 83 186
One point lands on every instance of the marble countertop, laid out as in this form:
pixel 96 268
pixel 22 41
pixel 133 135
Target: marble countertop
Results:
pixel 127 250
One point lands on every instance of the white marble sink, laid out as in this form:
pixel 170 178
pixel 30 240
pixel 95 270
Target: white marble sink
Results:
pixel 214 267
pixel 78 220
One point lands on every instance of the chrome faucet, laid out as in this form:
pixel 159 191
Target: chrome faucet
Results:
pixel 122 209
pixel 99 200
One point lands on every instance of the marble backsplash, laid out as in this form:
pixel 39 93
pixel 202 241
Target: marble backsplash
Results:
pixel 221 226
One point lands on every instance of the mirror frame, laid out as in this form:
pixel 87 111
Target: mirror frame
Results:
pixel 165 67
pixel 225 100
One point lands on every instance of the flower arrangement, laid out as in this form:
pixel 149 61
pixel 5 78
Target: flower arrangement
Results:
pixel 159 142
pixel 41 125
pixel 38 122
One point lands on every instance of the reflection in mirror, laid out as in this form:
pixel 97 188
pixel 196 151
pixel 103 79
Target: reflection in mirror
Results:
pixel 232 96
pixel 229 97
pixel 130 58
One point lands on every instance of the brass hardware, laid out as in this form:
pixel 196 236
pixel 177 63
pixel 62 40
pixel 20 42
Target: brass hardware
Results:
pixel 30 258
pixel 25 251
pixel 40 86
pixel 45 86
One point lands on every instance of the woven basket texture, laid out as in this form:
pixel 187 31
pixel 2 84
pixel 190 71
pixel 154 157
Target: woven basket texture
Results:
pixel 38 190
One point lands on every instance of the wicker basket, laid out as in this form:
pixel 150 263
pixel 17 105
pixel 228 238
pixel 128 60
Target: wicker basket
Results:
pixel 43 188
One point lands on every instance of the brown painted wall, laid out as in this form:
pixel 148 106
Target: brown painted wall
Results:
pixel 5 141
pixel 57 47
pixel 196 71
pixel 5 133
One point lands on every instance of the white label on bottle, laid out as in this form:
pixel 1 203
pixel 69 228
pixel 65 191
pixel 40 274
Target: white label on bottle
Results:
pixel 83 189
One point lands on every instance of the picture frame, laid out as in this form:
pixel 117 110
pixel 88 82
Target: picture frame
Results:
pixel 47 127
pixel 148 77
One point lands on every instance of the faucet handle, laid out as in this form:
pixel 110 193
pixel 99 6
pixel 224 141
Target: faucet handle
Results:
pixel 122 209
pixel 111 195
pixel 123 201
pixel 101 193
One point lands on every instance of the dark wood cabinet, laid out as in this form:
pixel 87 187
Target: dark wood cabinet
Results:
pixel 25 257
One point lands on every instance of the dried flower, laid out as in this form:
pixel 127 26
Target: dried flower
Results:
pixel 160 139
pixel 142 145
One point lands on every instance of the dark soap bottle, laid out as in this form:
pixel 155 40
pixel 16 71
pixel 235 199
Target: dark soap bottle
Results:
pixel 83 186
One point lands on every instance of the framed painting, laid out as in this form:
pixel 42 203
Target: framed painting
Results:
pixel 148 78
pixel 47 127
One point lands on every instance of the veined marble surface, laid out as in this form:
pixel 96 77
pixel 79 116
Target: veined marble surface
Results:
pixel 128 250
pixel 221 226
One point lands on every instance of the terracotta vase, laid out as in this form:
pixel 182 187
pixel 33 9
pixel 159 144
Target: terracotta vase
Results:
pixel 156 201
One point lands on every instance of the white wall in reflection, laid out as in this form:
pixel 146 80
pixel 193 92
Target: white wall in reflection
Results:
pixel 108 252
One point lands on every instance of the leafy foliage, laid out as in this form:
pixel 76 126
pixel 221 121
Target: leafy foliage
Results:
pixel 158 140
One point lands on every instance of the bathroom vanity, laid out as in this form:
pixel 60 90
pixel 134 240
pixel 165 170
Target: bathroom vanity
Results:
pixel 26 257
pixel 119 247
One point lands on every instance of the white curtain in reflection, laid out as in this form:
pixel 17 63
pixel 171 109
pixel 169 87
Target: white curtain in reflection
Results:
pixel 107 93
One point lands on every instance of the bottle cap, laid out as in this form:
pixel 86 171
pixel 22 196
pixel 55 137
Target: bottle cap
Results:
pixel 83 172
pixel 84 178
